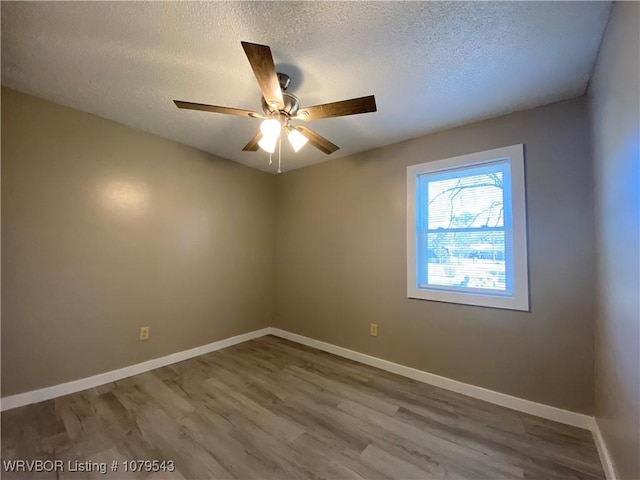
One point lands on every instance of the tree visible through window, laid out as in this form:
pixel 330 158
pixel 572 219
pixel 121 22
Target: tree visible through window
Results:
pixel 464 229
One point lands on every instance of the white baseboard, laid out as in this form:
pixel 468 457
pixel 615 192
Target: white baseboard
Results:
pixel 519 404
pixel 515 403
pixel 502 399
pixel 603 452
pixel 35 396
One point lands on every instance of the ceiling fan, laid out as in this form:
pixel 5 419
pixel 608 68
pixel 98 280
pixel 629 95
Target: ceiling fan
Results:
pixel 282 108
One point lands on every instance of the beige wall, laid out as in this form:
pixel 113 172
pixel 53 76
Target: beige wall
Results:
pixel 341 262
pixel 106 229
pixel 615 103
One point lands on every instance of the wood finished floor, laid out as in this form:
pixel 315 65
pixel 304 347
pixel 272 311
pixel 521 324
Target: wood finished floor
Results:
pixel 270 408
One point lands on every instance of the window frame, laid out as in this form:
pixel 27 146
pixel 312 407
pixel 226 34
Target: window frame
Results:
pixel 519 299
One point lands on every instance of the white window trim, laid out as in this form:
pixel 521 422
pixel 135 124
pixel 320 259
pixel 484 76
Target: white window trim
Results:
pixel 520 298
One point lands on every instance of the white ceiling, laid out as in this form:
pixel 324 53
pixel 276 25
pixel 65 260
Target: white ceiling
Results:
pixel 431 65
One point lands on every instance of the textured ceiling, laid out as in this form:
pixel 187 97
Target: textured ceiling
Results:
pixel 431 65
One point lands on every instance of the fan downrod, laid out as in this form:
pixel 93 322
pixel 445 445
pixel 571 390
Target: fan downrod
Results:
pixel 284 80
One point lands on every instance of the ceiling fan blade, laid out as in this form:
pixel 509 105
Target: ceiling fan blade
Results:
pixel 253 146
pixel 216 109
pixel 265 71
pixel 339 109
pixel 316 140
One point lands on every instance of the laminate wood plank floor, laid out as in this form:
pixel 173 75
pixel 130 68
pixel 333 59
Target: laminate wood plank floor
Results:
pixel 274 409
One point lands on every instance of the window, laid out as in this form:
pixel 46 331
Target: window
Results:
pixel 466 230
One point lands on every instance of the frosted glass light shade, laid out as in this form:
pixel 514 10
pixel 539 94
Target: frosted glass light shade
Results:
pixel 270 128
pixel 268 144
pixel 297 140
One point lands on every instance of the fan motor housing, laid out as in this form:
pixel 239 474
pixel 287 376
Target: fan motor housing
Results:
pixel 291 105
pixel 291 102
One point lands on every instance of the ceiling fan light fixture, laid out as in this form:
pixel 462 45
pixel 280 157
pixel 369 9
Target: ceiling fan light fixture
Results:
pixel 270 128
pixel 296 139
pixel 268 144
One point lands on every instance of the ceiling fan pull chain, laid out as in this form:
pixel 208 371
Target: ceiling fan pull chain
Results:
pixel 279 152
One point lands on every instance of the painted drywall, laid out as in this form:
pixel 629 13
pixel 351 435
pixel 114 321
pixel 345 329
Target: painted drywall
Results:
pixel 614 95
pixel 341 262
pixel 106 229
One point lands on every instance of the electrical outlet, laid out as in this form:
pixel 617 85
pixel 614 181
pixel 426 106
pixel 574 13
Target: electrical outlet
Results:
pixel 144 333
pixel 373 329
